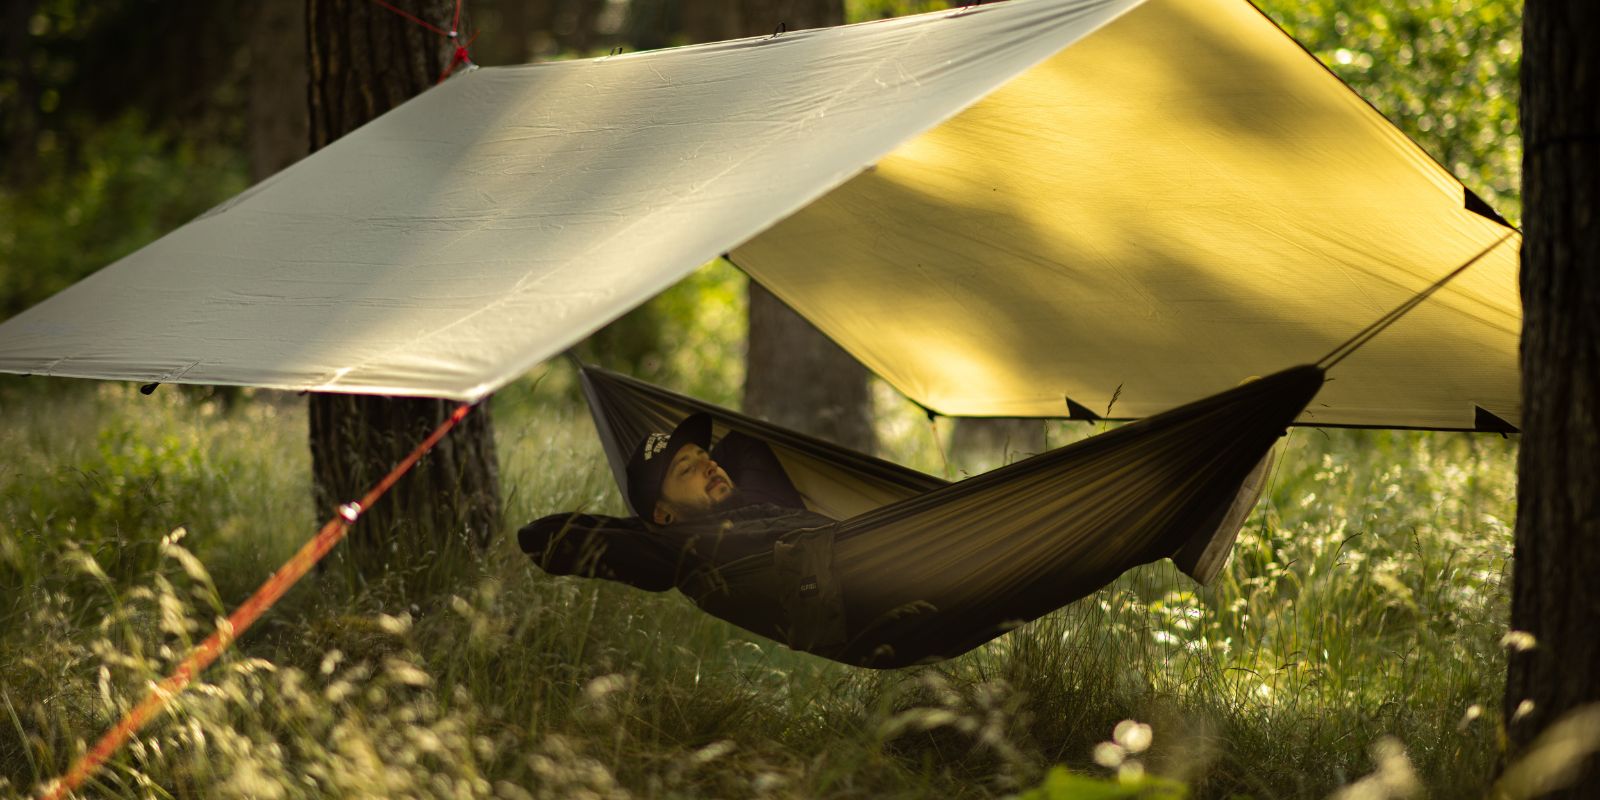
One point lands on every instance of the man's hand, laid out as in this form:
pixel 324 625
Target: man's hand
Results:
pixel 592 546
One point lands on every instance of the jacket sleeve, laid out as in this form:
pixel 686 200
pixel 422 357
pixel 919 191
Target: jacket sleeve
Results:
pixel 614 548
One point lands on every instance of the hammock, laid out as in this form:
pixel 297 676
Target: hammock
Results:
pixel 919 569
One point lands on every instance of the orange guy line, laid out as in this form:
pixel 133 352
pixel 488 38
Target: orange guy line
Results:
pixel 243 617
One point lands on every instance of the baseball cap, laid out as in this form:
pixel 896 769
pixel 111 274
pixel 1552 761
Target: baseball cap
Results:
pixel 648 466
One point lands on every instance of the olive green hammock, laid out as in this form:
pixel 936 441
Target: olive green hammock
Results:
pixel 919 569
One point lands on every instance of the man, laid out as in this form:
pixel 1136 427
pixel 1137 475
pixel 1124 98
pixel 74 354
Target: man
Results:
pixel 724 525
pixel 679 476
pixel 696 504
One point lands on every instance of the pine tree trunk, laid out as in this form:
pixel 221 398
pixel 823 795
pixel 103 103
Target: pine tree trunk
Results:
pixel 364 60
pixel 1557 558
pixel 795 376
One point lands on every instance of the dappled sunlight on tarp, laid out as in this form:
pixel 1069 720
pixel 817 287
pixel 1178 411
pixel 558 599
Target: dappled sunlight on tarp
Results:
pixel 1176 203
pixel 486 225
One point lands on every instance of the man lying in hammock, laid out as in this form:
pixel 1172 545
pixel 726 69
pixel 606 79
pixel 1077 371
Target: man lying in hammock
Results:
pixel 706 503
pixel 938 571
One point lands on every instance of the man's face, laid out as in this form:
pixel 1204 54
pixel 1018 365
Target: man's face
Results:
pixel 694 485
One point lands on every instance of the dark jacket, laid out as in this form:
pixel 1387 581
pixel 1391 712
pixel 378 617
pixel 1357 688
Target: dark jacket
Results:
pixel 765 506
pixel 761 561
pixel 687 555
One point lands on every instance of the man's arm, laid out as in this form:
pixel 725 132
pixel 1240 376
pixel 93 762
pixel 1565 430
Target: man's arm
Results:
pixel 592 546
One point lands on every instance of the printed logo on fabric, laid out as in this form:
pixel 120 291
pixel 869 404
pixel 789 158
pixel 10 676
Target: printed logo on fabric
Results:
pixel 655 444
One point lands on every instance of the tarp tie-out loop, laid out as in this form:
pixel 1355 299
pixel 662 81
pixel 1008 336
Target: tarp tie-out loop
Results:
pixel 245 615
pixel 460 57
pixel 783 27
pixel 1366 334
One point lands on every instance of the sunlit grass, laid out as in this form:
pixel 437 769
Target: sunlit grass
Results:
pixel 1366 599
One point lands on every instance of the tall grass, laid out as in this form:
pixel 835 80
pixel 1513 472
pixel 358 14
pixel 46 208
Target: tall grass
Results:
pixel 1365 600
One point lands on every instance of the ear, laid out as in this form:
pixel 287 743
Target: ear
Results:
pixel 663 514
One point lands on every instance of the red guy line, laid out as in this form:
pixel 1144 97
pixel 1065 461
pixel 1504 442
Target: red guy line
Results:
pixel 460 56
pixel 424 23
pixel 243 617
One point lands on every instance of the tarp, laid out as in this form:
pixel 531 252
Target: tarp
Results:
pixel 1172 196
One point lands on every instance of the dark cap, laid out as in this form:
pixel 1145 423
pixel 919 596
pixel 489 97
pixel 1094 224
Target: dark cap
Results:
pixel 648 466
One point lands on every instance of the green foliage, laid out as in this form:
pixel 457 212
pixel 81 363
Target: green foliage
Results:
pixel 863 10
pixel 1064 784
pixel 113 473
pixel 72 65
pixel 128 186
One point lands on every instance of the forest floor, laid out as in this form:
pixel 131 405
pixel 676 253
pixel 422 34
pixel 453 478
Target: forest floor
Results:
pixel 1357 629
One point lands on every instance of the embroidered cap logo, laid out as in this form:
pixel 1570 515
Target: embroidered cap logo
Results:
pixel 655 444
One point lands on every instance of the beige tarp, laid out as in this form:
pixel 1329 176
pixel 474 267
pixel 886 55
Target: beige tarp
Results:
pixel 1176 203
pixel 1167 200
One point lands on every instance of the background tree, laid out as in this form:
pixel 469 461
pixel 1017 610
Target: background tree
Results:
pixel 119 121
pixel 365 60
pixel 1557 551
pixel 280 127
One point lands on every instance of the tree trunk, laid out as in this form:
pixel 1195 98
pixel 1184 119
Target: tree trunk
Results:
pixel 798 378
pixel 364 60
pixel 280 132
pixel 794 376
pixel 1554 593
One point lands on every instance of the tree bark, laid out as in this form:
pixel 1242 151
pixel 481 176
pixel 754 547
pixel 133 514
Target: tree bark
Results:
pixel 798 378
pixel 795 376
pixel 1554 594
pixel 364 60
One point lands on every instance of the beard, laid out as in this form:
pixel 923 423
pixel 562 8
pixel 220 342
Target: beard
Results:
pixel 687 513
